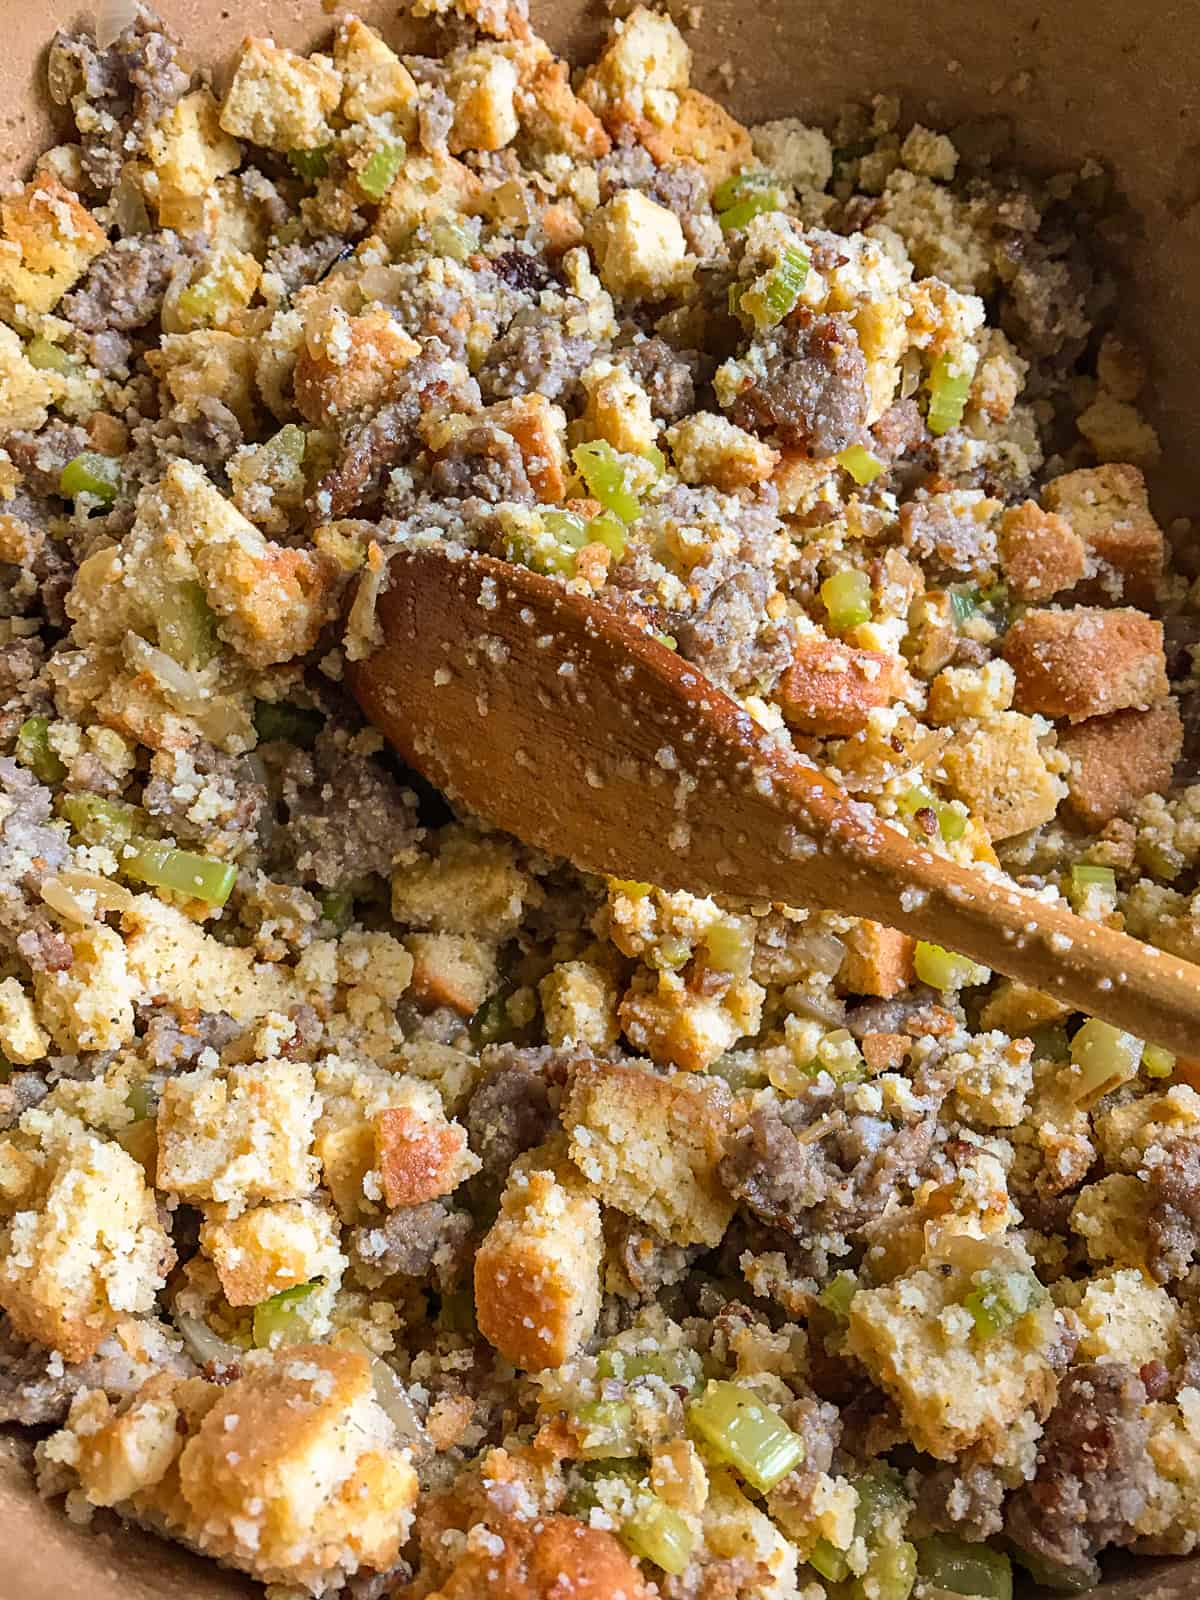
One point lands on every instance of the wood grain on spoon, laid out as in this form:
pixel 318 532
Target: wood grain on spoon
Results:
pixel 559 721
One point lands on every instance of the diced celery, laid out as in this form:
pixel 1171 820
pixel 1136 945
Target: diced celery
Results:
pixel 881 1501
pixel 605 1428
pixel 774 295
pixel 447 238
pixel 567 527
pixel 667 640
pixel 379 173
pixel 186 624
pixel 655 457
pixel 33 750
pixel 1049 1574
pixel 891 1574
pixel 918 798
pixel 847 598
pixel 972 1570
pixel 1157 1062
pixel 829 1561
pixel 738 200
pixel 951 823
pixel 47 357
pixel 858 461
pixel 164 867
pixel 310 164
pixel 1086 880
pixel 672 952
pixel 659 1534
pixel 837 1295
pixel 601 469
pixel 90 473
pixel 746 1434
pixel 100 821
pixel 729 945
pixel 949 386
pixel 964 603
pixel 286 1317
pixel 491 1024
pixel 839 1055
pixel 942 969
pixel 1104 1057
pixel 609 531
pixel 999 1299
pixel 680 1369
pixel 140 1101
pixel 740 187
pixel 337 907
pixel 276 719
pixel 585 1494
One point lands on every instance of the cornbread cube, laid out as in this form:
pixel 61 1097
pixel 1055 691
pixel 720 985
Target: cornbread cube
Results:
pixel 539 429
pixel 1118 432
pixel 25 391
pixel 555 118
pixel 579 1005
pixel 271 1248
pixel 639 247
pixel 167 954
pixel 89 1006
pixel 451 969
pixel 208 364
pixel 188 149
pixel 1170 1522
pixel 428 188
pixel 47 239
pixel 537 1273
pixel 929 154
pixel 1109 509
pixel 22 1038
pixel 737 1530
pixel 515 1557
pixel 794 152
pixel 650 1146
pixel 708 448
pixel 1014 1008
pixel 1126 1317
pixel 1111 1216
pixel 348 364
pixel 1040 552
pixel 993 1080
pixel 704 133
pixel 280 99
pixel 618 409
pixel 240 1134
pixel 676 1027
pixel 123 1452
pixel 642 69
pixel 999 771
pixel 1086 662
pixel 1128 1133
pixel 471 884
pixel 955 1390
pixel 831 688
pixel 960 692
pixel 1117 760
pixel 419 1153
pixel 483 87
pixel 878 960
pixel 83 1248
pixel 375 82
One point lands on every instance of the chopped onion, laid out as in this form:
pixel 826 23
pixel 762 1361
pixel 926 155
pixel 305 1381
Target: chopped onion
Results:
pixel 393 1398
pixel 61 894
pixel 821 950
pixel 112 18
pixel 205 1346
pixel 181 687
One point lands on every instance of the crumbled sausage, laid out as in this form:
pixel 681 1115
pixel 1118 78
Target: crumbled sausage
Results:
pixel 813 393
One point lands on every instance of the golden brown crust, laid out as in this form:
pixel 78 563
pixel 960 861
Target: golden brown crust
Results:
pixel 419 1158
pixel 1040 552
pixel 554 116
pixel 1086 662
pixel 329 389
pixel 546 1558
pixel 878 960
pixel 702 132
pixel 1108 508
pixel 1116 760
pixel 832 688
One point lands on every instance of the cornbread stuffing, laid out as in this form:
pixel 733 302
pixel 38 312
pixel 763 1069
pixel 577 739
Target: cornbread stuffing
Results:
pixel 387 1209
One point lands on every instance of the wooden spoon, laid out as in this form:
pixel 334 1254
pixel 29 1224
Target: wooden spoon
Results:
pixel 558 720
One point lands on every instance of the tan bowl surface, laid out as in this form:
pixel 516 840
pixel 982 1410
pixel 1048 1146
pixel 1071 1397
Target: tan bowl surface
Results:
pixel 1118 80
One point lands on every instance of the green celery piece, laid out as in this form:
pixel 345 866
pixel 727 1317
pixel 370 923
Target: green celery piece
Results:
pixel 858 461
pixel 140 1101
pixel 943 969
pixel 451 239
pixel 678 1368
pixel 891 1575
pixel 277 720
pixel 310 164
pixel 605 1428
pixel 783 287
pixel 47 357
pixel 837 1295
pixel 964 604
pixel 949 386
pixel 1000 1299
pixel 1157 1062
pixel 608 530
pixel 1051 1575
pixel 601 469
pixel 951 823
pixel 33 750
pixel 100 821
pixel 847 598
pixel 971 1570
pixel 746 1434
pixel 186 625
pixel 164 867
pixel 740 187
pixel 337 907
pixel 739 216
pixel 829 1561
pixel 379 173
pixel 281 1319
pixel 90 473
pixel 1104 1057
pixel 659 1534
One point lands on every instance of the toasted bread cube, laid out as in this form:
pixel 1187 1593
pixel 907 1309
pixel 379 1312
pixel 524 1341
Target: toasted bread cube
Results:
pixel 955 1390
pixel 678 1028
pixel 579 1005
pixel 961 692
pixel 188 149
pixel 168 954
pixel 539 429
pixel 471 886
pixel 702 132
pixel 451 969
pixel 83 1249
pixel 208 364
pixel 517 1557
pixel 999 771
pixel 1125 1317
pixel 25 391
pixel 294 1474
pixel 1118 432
pixel 125 1452
pixel 1117 760
pixel 618 409
pixel 419 1153
pixel 1040 552
pixel 1086 662
pixel 708 448
pixel 239 1135
pixel 641 71
pixel 832 688
pixel 375 82
pixel 650 1146
pixel 1126 1133
pixel 1112 1218
pixel 555 118
pixel 89 1006
pixel 1109 509
pixel 271 1248
pixel 878 960
pixel 22 1038
pixel 49 237
pixel 639 247
pixel 280 99
pixel 537 1273
pixel 352 1137
pixel 428 188
pixel 483 87
pixel 348 364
